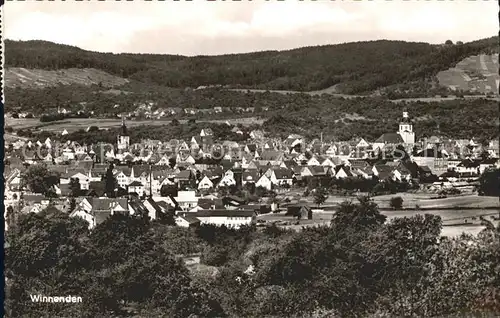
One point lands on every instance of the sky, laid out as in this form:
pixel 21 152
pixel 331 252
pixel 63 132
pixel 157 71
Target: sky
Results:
pixel 223 27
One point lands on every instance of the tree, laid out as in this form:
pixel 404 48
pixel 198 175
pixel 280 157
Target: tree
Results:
pixel 448 42
pixel 396 203
pixel 174 122
pixel 489 183
pixel 364 215
pixel 38 179
pixel 172 162
pixel 320 196
pixel 74 186
pixel 9 216
pixel 110 182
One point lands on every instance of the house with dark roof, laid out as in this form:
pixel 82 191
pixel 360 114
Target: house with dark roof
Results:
pixel 185 178
pixel 342 172
pixel 157 210
pixel 187 220
pixel 250 148
pixel 382 171
pixel 281 177
pixel 136 187
pixel 392 139
pixel 300 211
pixel 250 176
pixel 97 210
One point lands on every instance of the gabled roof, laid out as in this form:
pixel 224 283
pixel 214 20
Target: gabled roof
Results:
pixel 196 139
pixel 383 170
pixel 317 170
pixel 346 169
pixel 430 153
pixel 189 217
pixel 252 147
pixel 154 204
pixel 390 138
pixel 424 169
pixel 283 173
pixel 106 204
pixel 184 175
pixel 135 184
pixel 271 155
pixel 138 206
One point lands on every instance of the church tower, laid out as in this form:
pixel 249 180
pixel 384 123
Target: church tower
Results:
pixel 406 129
pixel 123 137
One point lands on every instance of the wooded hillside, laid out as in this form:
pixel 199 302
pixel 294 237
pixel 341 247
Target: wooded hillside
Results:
pixel 356 67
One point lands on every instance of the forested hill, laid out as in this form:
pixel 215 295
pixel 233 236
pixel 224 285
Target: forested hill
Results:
pixel 353 67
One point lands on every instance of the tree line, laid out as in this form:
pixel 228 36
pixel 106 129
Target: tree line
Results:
pixel 340 118
pixel 357 266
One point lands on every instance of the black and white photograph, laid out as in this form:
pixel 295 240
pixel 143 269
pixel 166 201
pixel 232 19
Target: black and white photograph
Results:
pixel 251 159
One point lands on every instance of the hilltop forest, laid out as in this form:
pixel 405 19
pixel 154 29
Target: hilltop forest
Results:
pixel 354 68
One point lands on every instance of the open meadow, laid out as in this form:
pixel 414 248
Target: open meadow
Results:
pixel 74 124
pixel 475 73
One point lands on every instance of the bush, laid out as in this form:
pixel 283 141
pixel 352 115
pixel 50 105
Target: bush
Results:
pixel 396 203
pixel 214 256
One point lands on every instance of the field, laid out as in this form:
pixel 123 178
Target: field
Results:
pixel 476 73
pixel 449 217
pixel 475 207
pixel 410 200
pixel 74 124
pixel 34 78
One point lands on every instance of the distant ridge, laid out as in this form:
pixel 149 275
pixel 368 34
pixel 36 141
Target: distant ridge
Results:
pixel 351 67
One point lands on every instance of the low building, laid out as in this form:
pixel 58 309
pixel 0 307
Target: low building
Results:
pixel 187 220
pixel 229 218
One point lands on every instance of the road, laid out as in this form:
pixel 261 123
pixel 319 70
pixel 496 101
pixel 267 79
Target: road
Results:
pixel 329 91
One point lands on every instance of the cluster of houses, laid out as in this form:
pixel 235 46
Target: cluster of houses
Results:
pixel 197 168
pixel 151 111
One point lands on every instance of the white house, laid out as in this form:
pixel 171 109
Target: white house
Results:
pixel 228 179
pixel 313 162
pixel 362 144
pixel 282 176
pixel 97 210
pixel 186 200
pixel 206 132
pixel 164 161
pixel 264 182
pixel 205 183
pixel 137 187
pixel 122 179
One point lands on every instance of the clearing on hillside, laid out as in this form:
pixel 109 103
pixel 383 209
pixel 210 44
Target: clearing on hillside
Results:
pixel 478 73
pixel 35 78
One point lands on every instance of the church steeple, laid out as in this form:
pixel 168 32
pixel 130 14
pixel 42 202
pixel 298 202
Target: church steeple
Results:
pixel 406 118
pixel 123 136
pixel 123 130
pixel 406 129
